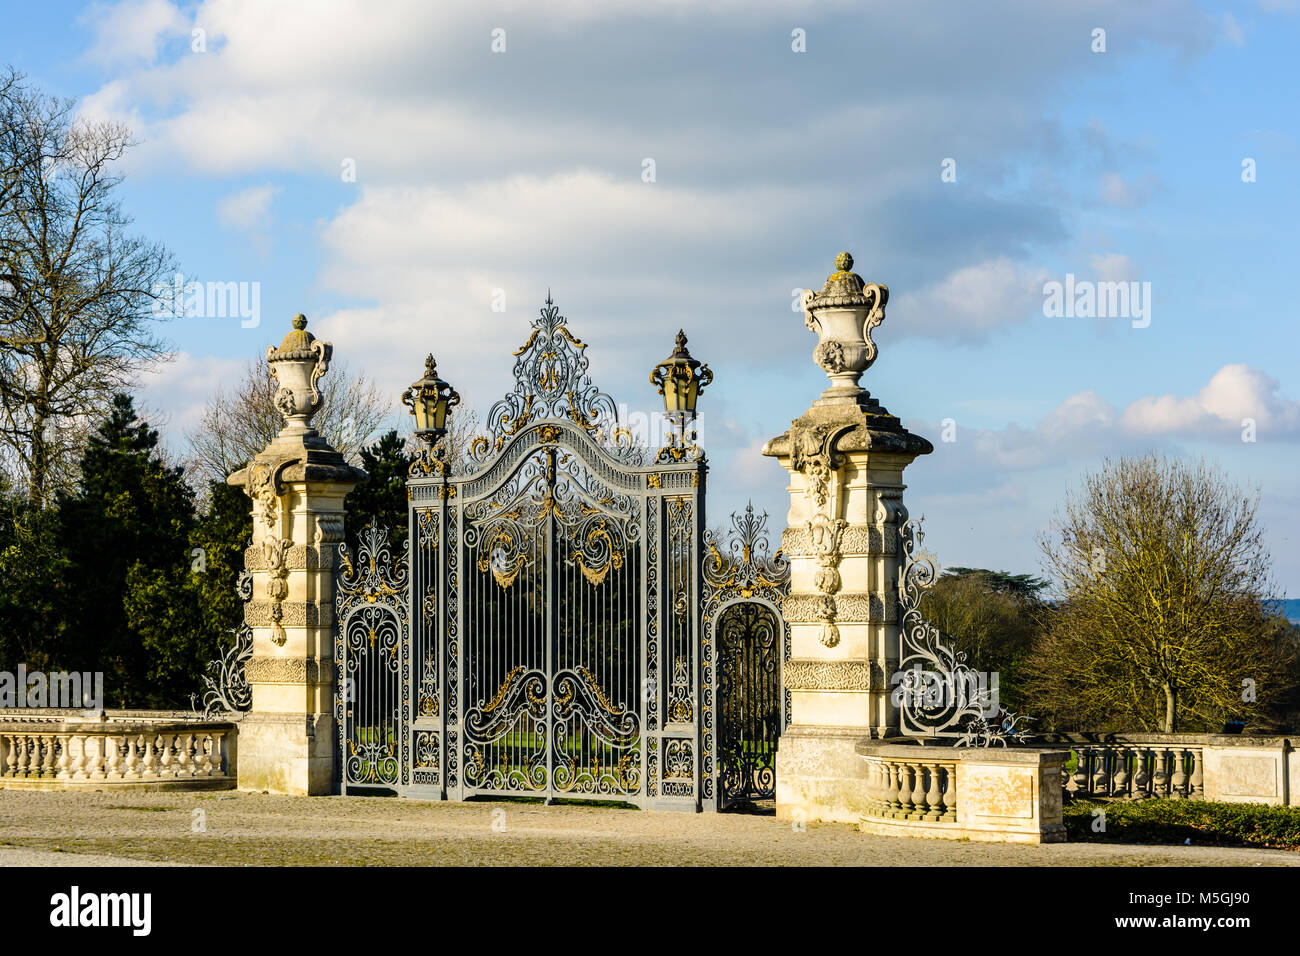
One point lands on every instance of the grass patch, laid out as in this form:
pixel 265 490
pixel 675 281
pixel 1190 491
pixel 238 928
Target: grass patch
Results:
pixel 556 801
pixel 1176 821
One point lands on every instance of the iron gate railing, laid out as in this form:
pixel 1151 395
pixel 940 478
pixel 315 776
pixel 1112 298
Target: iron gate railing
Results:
pixel 555 628
pixel 555 596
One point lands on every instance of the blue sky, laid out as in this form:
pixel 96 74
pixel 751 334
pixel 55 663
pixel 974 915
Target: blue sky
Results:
pixel 521 170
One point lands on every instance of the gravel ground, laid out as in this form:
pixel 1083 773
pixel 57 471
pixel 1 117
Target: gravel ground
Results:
pixel 49 828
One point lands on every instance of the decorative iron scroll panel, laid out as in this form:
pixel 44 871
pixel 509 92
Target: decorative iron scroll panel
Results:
pixel 749 701
pixel 372 654
pixel 555 603
pixel 744 583
pixel 938 693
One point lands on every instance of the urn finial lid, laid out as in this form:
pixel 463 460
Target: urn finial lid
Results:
pixel 843 287
pixel 296 341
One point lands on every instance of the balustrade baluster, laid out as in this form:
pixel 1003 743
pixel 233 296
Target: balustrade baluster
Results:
pixel 72 757
pixel 62 756
pixel 7 759
pixel 1161 780
pixel 1198 779
pixel 1178 786
pixel 1081 778
pixel 1101 773
pixel 895 787
pixel 24 762
pixel 918 793
pixel 113 758
pixel 950 793
pixel 933 810
pixel 206 745
pixel 166 759
pixel 47 768
pixel 214 754
pixel 185 761
pixel 149 766
pixel 904 789
pixel 93 768
pixel 1141 775
pixel 1121 778
pixel 132 758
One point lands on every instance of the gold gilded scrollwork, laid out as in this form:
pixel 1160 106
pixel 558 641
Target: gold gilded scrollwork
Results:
pixel 599 693
pixel 598 540
pixel 503 690
pixel 504 569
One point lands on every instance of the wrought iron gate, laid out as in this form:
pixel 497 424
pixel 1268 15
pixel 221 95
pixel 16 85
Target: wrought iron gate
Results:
pixel 744 585
pixel 556 642
pixel 372 657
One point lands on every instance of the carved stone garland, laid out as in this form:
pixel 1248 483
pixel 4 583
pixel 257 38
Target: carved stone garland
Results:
pixel 813 455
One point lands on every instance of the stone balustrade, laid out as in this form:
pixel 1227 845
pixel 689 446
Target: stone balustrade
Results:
pixel 913 787
pixel 60 752
pixel 1224 767
pixel 1015 794
pixel 995 794
pixel 1136 771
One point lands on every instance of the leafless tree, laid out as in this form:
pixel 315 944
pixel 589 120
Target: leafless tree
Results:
pixel 239 422
pixel 1164 623
pixel 77 290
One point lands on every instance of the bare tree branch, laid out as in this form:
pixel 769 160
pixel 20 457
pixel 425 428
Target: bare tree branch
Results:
pixel 239 422
pixel 76 289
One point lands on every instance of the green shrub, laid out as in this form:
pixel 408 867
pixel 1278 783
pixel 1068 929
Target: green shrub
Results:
pixel 1177 821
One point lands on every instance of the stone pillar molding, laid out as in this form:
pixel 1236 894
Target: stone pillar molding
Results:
pixel 845 456
pixel 297 485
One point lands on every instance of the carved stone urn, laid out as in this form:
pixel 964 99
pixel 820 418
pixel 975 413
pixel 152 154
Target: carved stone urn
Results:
pixel 297 365
pixel 843 314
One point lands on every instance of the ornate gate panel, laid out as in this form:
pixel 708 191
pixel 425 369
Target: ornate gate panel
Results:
pixel 371 651
pixel 749 701
pixel 743 590
pixel 555 601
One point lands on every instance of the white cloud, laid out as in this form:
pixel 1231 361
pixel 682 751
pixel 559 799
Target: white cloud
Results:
pixel 183 386
pixel 248 209
pixel 1087 426
pixel 131 30
pixel 430 258
pixel 1113 267
pixel 1120 192
pixel 1232 30
pixel 1236 392
pixel 971 301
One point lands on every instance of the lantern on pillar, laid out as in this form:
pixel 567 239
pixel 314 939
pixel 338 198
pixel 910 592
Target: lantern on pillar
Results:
pixel 429 400
pixel 680 379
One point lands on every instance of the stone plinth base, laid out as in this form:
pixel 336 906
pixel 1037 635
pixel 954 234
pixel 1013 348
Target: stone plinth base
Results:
pixel 819 775
pixel 1251 770
pixel 287 753
pixel 997 795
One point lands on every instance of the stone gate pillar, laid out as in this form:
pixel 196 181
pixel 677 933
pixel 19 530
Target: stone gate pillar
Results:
pixel 846 456
pixel 297 483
